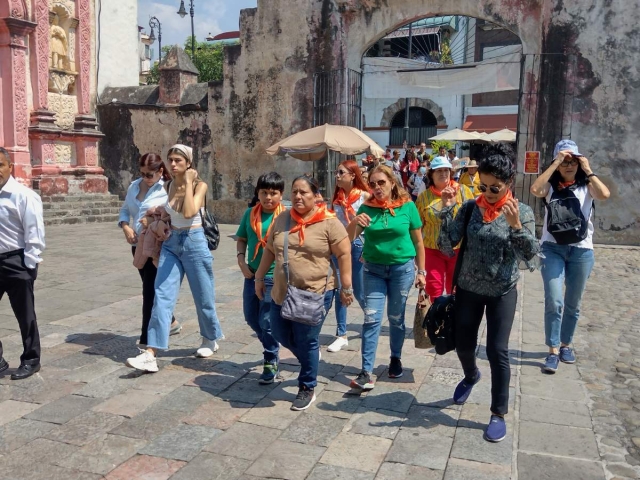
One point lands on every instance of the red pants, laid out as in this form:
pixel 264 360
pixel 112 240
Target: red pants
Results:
pixel 440 270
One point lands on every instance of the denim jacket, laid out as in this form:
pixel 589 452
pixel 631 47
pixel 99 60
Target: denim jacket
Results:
pixel 133 210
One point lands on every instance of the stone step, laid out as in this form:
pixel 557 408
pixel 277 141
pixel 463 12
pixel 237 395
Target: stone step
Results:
pixel 80 198
pixel 81 219
pixel 81 205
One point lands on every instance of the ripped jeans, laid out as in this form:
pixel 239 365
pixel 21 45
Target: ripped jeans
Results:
pixel 381 282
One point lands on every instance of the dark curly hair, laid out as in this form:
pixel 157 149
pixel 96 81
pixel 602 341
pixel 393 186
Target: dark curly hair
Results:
pixel 499 163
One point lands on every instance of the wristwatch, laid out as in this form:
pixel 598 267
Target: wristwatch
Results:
pixel 347 291
pixel 422 272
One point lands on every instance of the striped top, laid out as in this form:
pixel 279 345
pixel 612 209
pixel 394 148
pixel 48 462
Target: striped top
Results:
pixel 429 207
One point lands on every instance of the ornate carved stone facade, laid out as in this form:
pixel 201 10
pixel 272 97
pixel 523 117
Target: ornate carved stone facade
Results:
pixel 51 132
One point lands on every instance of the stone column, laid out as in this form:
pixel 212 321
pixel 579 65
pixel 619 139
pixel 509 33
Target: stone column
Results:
pixel 43 130
pixel 15 107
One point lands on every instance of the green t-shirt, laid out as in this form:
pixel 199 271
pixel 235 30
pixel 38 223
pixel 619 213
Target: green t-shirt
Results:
pixel 245 231
pixel 389 237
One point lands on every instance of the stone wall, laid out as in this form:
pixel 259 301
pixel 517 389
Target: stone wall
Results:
pixel 267 91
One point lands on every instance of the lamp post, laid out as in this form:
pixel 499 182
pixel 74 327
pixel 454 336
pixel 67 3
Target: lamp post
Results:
pixel 153 24
pixel 182 12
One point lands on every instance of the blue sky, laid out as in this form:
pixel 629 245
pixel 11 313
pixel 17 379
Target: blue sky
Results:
pixel 211 16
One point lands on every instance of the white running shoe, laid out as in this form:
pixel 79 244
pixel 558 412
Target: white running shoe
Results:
pixel 208 348
pixel 338 344
pixel 145 362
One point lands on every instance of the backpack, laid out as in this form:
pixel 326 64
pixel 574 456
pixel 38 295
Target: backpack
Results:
pixel 565 221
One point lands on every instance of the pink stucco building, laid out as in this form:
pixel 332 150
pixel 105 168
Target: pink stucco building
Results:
pixel 47 92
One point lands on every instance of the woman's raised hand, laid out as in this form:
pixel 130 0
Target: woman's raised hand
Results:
pixel 448 196
pixel 363 220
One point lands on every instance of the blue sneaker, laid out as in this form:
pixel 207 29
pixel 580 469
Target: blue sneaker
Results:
pixel 269 373
pixel 551 363
pixel 463 390
pixel 567 355
pixel 496 430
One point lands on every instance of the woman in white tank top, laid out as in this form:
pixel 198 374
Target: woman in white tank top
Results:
pixel 185 252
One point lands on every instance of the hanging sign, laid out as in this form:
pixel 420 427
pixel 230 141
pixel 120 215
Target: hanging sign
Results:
pixel 532 163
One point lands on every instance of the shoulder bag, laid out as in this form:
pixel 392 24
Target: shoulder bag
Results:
pixel 210 226
pixel 300 305
pixel 440 319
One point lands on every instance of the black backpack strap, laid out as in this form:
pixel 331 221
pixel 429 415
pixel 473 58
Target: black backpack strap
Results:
pixel 467 218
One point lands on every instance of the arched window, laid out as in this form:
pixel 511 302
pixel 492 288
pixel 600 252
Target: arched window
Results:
pixel 422 125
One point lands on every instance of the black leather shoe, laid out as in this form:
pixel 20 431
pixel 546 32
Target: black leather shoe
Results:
pixel 25 371
pixel 3 365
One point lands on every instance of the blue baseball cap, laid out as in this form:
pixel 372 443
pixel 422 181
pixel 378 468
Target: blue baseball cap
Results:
pixel 440 162
pixel 569 145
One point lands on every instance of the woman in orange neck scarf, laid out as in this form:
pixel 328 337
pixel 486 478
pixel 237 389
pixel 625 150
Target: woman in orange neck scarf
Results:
pixel 499 233
pixel 571 186
pixel 314 235
pixel 439 266
pixel 351 191
pixel 392 253
pixel 254 231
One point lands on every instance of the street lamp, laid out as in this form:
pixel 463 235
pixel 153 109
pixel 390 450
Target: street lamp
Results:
pixel 155 23
pixel 182 12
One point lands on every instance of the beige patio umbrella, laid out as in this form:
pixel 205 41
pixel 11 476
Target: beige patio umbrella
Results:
pixel 505 135
pixel 457 135
pixel 312 144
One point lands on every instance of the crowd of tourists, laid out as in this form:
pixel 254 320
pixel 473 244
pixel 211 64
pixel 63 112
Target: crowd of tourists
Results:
pixel 390 225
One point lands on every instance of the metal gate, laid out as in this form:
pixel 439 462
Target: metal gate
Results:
pixel 337 99
pixel 545 114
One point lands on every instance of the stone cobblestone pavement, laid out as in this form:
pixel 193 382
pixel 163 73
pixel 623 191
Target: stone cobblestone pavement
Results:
pixel 87 416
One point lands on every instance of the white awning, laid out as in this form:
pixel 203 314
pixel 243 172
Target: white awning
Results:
pixel 417 31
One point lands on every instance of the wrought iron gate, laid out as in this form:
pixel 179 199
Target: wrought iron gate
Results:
pixel 337 99
pixel 545 114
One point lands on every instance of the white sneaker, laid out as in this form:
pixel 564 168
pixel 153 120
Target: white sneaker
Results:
pixel 338 344
pixel 145 362
pixel 208 348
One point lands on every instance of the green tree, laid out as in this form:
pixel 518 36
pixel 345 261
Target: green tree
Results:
pixel 208 60
pixel 436 144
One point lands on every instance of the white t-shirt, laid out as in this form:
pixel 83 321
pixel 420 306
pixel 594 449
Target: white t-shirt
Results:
pixel 586 204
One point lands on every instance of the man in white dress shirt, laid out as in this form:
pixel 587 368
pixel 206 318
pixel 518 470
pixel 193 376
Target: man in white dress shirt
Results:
pixel 21 243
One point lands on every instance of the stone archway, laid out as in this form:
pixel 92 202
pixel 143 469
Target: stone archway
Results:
pixel 395 108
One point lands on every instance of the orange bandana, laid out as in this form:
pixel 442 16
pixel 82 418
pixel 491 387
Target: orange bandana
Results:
pixel 438 193
pixel 492 210
pixel 256 225
pixel 563 185
pixel 375 203
pixel 321 214
pixel 347 202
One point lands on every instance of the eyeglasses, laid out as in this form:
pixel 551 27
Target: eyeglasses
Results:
pixel 340 173
pixel 495 190
pixel 379 183
pixel 569 163
pixel 149 175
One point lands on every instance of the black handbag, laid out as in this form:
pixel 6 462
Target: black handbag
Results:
pixel 440 319
pixel 210 226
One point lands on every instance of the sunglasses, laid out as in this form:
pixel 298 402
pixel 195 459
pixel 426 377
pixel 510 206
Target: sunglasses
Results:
pixel 492 189
pixel 340 173
pixel 569 163
pixel 148 175
pixel 379 183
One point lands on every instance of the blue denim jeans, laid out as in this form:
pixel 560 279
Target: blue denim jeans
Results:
pixel 357 281
pixel 302 340
pixel 185 252
pixel 257 313
pixel 563 265
pixel 382 282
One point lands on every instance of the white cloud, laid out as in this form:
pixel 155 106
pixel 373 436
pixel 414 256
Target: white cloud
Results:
pixel 209 15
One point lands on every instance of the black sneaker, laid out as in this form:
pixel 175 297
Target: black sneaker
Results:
pixel 395 368
pixel 304 399
pixel 363 381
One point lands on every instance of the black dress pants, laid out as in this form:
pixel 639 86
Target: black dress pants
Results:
pixel 148 275
pixel 17 281
pixel 470 307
